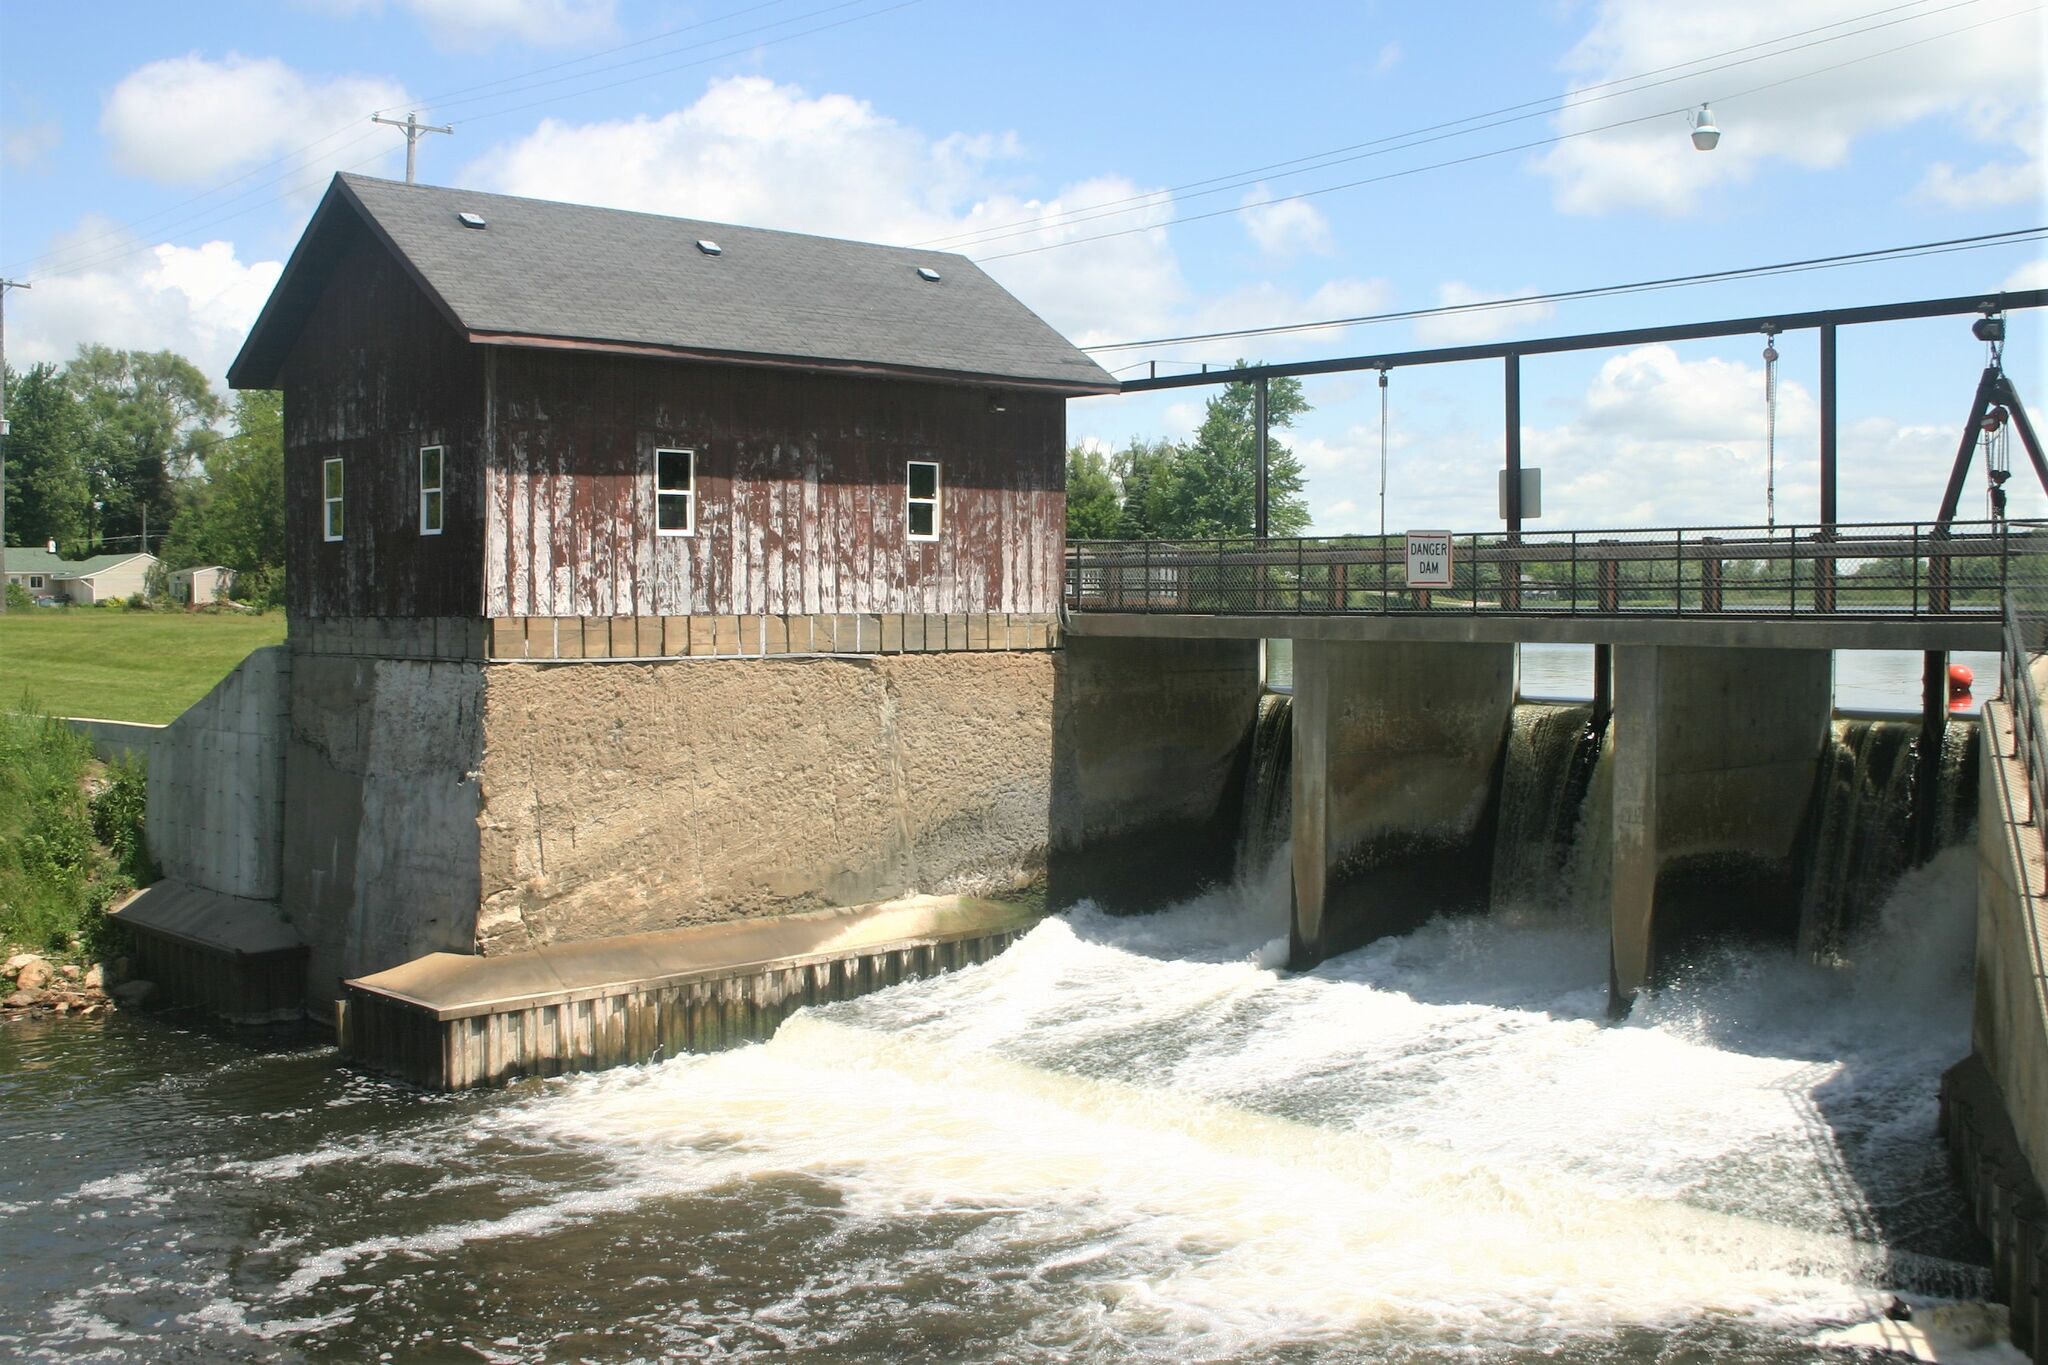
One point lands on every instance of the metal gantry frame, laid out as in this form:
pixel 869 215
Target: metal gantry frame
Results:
pixel 1825 320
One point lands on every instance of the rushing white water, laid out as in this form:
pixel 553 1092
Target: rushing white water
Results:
pixel 1432 1143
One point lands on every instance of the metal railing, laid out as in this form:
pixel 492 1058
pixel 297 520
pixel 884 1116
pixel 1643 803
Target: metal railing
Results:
pixel 2023 643
pixel 1872 570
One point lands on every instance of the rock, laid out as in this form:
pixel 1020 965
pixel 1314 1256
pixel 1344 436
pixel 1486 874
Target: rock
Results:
pixel 70 971
pixel 95 977
pixel 22 1000
pixel 16 963
pixel 34 974
pixel 62 1007
pixel 133 994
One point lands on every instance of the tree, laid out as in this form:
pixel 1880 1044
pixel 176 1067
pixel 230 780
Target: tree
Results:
pixel 49 493
pixel 1093 507
pixel 147 419
pixel 1149 472
pixel 236 516
pixel 1215 493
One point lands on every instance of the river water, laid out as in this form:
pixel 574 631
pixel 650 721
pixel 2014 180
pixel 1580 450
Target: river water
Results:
pixel 1123 1139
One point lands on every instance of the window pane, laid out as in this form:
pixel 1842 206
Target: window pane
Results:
pixel 430 510
pixel 672 470
pixel 922 517
pixel 333 478
pixel 672 511
pixel 430 467
pixel 924 481
pixel 334 521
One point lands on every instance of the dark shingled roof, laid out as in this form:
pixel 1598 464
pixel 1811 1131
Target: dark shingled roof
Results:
pixel 568 272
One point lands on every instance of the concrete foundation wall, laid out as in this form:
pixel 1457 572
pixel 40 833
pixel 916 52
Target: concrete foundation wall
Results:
pixel 380 828
pixel 620 798
pixel 216 783
pixel 1153 739
pixel 1714 766
pixel 1396 748
pixel 2010 1029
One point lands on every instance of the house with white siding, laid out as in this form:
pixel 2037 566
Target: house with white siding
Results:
pixel 44 575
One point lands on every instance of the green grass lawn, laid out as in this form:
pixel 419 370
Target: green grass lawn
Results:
pixel 123 665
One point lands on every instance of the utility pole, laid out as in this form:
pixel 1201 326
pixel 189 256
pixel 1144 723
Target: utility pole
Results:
pixel 5 285
pixel 413 128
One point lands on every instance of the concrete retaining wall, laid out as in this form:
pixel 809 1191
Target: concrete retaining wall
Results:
pixel 1396 752
pixel 381 798
pixel 216 783
pixel 621 798
pixel 2010 1029
pixel 1153 740
pixel 115 739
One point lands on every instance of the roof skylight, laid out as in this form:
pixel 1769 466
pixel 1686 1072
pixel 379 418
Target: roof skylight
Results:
pixel 709 247
pixel 470 220
pixel 927 274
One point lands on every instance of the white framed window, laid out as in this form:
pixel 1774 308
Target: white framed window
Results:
pixel 675 492
pixel 35 580
pixel 430 490
pixel 331 496
pixel 921 499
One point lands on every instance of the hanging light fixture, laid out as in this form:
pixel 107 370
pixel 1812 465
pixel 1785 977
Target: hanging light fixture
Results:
pixel 1705 136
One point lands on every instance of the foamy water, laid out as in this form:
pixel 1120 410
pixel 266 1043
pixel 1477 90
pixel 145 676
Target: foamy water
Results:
pixel 1121 1139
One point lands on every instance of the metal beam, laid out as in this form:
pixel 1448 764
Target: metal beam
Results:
pixel 1513 363
pixel 1953 306
pixel 1828 471
pixel 1260 509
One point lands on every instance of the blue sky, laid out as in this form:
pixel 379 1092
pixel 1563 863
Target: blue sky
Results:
pixel 157 163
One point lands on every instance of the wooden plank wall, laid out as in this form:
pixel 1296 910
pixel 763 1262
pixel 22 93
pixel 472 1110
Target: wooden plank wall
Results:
pixel 800 487
pixel 377 373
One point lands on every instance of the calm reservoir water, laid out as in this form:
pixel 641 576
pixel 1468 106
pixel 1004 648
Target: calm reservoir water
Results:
pixel 1125 1139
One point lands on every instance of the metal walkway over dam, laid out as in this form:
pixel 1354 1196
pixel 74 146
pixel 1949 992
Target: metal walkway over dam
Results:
pixel 1713 675
pixel 1924 586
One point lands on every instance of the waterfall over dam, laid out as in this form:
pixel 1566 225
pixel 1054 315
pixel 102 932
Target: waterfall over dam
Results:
pixel 1125 1138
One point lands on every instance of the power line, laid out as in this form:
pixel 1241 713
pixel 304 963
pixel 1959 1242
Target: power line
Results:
pixel 1548 104
pixel 1498 151
pixel 76 266
pixel 2013 237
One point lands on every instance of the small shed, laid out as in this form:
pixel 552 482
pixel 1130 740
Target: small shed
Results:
pixel 199 586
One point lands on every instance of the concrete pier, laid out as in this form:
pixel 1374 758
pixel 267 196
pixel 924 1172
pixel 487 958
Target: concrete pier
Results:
pixel 1152 738
pixel 1396 748
pixel 453 1021
pixel 1714 754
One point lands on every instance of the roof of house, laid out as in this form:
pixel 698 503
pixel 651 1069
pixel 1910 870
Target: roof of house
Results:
pixel 545 273
pixel 27 559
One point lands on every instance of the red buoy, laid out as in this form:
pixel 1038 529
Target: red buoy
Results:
pixel 1959 679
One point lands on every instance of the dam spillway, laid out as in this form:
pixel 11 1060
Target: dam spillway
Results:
pixel 1125 1138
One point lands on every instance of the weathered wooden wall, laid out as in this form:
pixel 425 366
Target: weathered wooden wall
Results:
pixel 800 485
pixel 377 373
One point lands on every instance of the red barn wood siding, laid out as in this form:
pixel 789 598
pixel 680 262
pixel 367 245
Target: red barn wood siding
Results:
pixel 376 373
pixel 800 489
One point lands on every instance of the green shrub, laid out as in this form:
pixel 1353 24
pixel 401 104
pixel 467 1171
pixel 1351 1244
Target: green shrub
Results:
pixel 118 809
pixel 18 598
pixel 56 879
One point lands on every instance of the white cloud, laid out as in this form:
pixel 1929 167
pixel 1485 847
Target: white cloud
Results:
pixel 469 25
pixel 771 155
pixel 198 301
pixel 1458 329
pixel 1998 182
pixel 1987 78
pixel 2032 275
pixel 1287 228
pixel 1389 58
pixel 23 148
pixel 189 119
